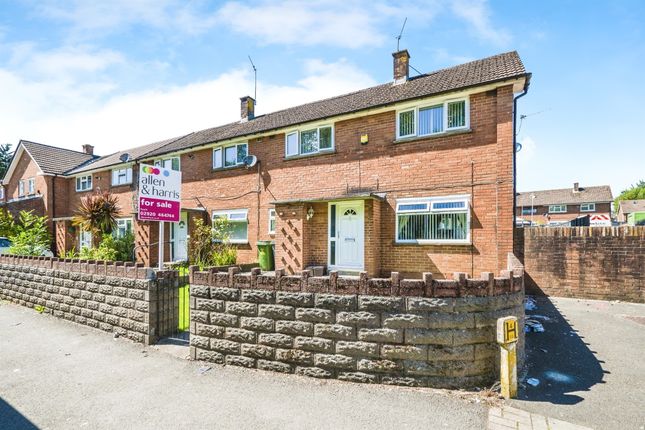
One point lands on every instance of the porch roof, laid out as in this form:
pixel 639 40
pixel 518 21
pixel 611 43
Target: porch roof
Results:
pixel 352 196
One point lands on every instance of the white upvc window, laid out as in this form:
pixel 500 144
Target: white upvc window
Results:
pixel 272 221
pixel 557 209
pixel 83 183
pixel 309 140
pixel 122 176
pixel 433 118
pixel 529 211
pixel 1 193
pixel 230 155
pixel 588 207
pixel 433 220
pixel 238 224
pixel 123 227
pixel 21 188
pixel 170 163
pixel 31 185
pixel 84 239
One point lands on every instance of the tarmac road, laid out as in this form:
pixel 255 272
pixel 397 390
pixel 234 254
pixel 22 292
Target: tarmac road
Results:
pixel 590 362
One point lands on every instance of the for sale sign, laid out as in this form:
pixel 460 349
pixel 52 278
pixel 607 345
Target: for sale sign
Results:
pixel 159 194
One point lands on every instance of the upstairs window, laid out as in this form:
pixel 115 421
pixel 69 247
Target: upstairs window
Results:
pixel 21 188
pixel 1 193
pixel 238 224
pixel 588 207
pixel 557 209
pixel 433 220
pixel 122 176
pixel 311 141
pixel 84 183
pixel 170 163
pixel 229 156
pixel 529 211
pixel 432 119
pixel 31 185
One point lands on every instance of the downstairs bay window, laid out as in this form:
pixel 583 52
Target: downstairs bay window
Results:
pixel 238 224
pixel 433 220
pixel 426 120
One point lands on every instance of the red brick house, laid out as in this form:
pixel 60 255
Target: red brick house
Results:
pixel 553 207
pixel 415 175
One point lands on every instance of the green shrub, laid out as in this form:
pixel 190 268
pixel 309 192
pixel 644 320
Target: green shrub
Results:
pixel 7 223
pixel 31 235
pixel 110 249
pixel 210 246
pixel 69 254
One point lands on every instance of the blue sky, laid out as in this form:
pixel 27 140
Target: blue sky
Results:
pixel 123 73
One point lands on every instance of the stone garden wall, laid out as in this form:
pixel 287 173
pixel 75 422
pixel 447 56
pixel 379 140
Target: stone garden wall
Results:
pixel 437 333
pixel 121 298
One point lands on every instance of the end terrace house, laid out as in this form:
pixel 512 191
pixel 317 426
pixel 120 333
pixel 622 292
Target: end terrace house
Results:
pixel 414 175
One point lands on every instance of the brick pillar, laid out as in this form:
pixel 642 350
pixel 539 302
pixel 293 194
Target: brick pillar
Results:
pixel 290 237
pixel 64 236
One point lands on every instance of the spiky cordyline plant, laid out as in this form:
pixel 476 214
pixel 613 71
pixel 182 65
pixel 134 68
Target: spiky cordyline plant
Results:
pixel 97 213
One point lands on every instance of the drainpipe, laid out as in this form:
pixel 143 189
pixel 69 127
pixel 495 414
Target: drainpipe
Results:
pixel 526 89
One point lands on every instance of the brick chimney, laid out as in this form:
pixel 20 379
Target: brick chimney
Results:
pixel 247 108
pixel 401 66
pixel 576 187
pixel 88 149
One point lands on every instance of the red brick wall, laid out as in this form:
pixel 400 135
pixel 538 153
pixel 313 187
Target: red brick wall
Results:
pixel 604 263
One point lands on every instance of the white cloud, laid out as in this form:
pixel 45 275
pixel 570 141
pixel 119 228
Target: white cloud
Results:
pixel 69 115
pixel 477 13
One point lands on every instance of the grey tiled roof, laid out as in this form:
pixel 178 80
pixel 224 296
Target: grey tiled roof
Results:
pixel 488 70
pixel 630 206
pixel 492 69
pixel 54 160
pixel 115 158
pixel 599 194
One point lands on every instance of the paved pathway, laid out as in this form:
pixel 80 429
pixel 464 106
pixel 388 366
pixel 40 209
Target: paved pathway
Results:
pixel 507 417
pixel 58 375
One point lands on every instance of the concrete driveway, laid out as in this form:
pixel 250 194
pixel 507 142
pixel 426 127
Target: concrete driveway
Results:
pixel 58 375
pixel 590 362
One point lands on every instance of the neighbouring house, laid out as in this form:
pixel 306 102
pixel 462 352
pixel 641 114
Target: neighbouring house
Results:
pixel 415 175
pixel 562 206
pixel 631 212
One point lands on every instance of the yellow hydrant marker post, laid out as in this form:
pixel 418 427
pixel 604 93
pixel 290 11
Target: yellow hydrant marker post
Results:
pixel 507 335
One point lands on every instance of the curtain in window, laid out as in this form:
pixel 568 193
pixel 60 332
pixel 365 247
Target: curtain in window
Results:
pixel 430 120
pixel 406 123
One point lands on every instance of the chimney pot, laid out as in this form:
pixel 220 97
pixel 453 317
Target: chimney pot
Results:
pixel 247 108
pixel 576 187
pixel 401 66
pixel 88 149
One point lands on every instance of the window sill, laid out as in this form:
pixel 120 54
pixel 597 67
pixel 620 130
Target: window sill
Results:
pixel 313 154
pixel 433 136
pixel 223 169
pixel 120 185
pixel 434 243
pixel 84 191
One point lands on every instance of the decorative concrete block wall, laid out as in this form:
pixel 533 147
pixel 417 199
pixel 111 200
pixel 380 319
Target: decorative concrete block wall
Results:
pixel 124 299
pixel 425 332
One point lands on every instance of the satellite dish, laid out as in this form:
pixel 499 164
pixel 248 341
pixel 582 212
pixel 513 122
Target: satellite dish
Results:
pixel 125 157
pixel 250 161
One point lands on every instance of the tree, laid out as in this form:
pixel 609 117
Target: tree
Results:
pixel 5 158
pixel 97 213
pixel 7 223
pixel 31 235
pixel 635 192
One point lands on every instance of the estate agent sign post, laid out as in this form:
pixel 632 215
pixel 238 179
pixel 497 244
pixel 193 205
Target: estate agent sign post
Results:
pixel 159 198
